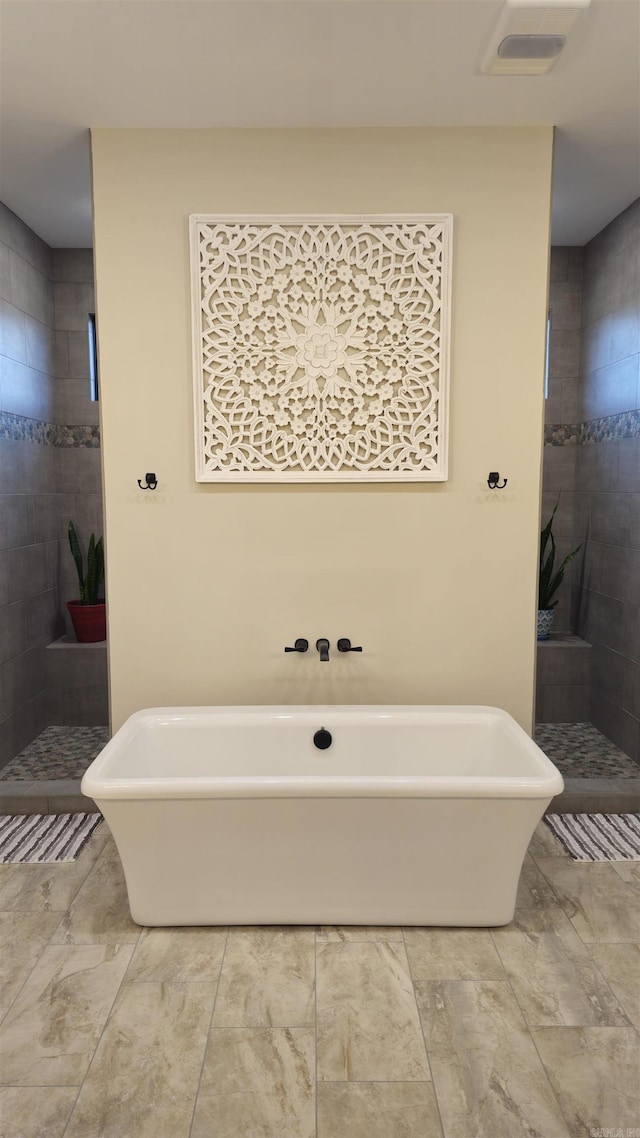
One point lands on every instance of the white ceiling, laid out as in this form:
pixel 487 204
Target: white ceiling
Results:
pixel 67 65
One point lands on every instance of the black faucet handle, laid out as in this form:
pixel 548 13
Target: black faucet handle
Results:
pixel 344 645
pixel 300 645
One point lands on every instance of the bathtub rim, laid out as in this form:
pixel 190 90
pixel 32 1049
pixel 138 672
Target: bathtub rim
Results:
pixel 544 782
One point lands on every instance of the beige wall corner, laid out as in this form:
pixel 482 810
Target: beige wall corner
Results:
pixel 207 583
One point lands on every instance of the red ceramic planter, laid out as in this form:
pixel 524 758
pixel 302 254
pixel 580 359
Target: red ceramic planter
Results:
pixel 89 621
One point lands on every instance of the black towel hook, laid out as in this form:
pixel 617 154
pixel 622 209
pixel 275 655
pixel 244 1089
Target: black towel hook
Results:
pixel 151 482
pixel 494 483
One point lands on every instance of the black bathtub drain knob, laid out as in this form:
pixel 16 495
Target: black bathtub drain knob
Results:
pixel 322 739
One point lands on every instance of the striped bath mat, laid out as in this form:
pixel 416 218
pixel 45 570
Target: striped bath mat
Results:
pixel 597 837
pixel 45 837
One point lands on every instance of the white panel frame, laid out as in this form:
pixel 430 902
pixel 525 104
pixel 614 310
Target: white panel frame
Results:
pixel 439 471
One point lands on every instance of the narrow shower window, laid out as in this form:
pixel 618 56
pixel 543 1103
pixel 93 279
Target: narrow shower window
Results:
pixel 93 357
pixel 546 357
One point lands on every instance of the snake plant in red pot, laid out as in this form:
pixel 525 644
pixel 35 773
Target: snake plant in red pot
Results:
pixel 88 614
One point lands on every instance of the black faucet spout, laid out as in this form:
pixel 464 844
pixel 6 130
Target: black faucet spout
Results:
pixel 323 648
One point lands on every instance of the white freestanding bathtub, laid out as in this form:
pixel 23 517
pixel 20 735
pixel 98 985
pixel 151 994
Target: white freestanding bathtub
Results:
pixel 411 816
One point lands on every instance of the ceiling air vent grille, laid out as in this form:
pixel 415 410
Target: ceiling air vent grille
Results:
pixel 530 36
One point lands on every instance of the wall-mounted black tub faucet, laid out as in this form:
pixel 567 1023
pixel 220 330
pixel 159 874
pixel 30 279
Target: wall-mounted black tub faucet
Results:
pixel 323 648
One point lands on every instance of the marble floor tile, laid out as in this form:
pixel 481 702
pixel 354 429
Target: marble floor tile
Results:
pixel 545 844
pixel 51 1030
pixel 377 1110
pixel 23 936
pixel 144 1077
pixel 620 966
pixel 123 1028
pixel 554 978
pixel 48 887
pixel 367 1020
pixel 594 1073
pixel 267 978
pixel 257 1083
pixel 331 934
pixel 35 1112
pixel 600 905
pixel 100 913
pixel 629 871
pixel 487 1076
pixel 452 954
pixel 41 888
pixel 183 954
pixel 534 891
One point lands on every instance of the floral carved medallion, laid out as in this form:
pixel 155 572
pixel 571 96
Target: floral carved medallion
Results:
pixel 321 348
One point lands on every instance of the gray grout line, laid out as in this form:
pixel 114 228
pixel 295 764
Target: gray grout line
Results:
pixel 128 944
pixel 315 1024
pixel 605 981
pixel 424 1037
pixel 206 1042
pixel 75 1102
pixel 104 1028
pixel 561 1112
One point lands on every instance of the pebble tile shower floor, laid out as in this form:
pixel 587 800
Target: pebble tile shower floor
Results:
pixel 579 750
pixel 59 752
pixel 113 1031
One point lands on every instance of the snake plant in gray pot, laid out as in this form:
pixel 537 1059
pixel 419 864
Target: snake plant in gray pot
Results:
pixel 550 578
pixel 88 614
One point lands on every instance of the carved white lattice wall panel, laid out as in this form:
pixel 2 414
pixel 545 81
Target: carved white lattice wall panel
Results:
pixel 321 348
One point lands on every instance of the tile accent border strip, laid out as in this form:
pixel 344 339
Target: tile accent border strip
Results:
pixel 605 430
pixel 23 429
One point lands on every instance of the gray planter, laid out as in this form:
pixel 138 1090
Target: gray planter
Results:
pixel 545 620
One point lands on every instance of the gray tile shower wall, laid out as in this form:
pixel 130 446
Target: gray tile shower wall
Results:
pixel 29 613
pixel 79 474
pixel 561 407
pixel 49 466
pixel 607 479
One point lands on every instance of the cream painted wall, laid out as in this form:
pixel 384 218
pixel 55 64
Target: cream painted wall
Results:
pixel 206 584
